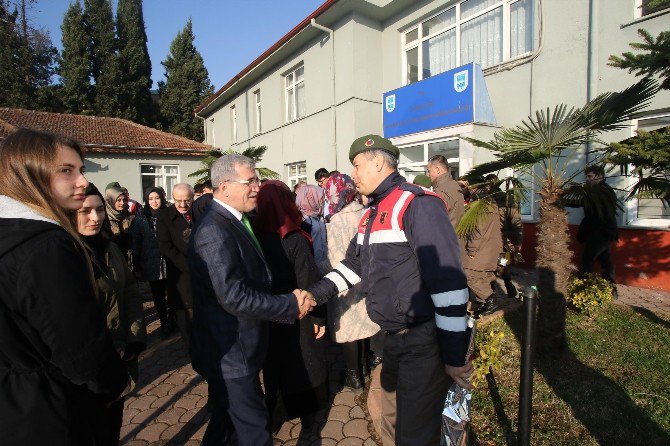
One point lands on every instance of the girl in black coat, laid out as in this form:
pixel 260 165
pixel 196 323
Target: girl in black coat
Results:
pixel 296 363
pixel 58 366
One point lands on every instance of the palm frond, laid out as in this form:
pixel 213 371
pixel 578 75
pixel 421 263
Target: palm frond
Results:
pixel 651 187
pixel 475 213
pixel 602 201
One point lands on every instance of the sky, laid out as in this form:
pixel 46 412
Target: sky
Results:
pixel 228 33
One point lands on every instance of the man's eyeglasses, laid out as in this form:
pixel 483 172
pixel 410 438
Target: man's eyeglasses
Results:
pixel 251 183
pixel 187 201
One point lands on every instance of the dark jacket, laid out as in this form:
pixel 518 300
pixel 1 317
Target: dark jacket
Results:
pixel 57 361
pixel 599 225
pixel 413 278
pixel 147 259
pixel 200 206
pixel 173 232
pixel 231 290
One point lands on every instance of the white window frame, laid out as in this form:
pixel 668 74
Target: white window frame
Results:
pixel 257 109
pixel 631 206
pixel 418 43
pixel 421 165
pixel 233 123
pixel 213 133
pixel 293 87
pixel 294 179
pixel 163 175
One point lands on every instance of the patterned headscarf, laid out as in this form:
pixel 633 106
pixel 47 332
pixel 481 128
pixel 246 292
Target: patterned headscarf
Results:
pixel 310 200
pixel 111 195
pixel 341 191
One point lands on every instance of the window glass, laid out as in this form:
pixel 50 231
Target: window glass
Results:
pixel 291 105
pixel 300 100
pixel 448 149
pixel 653 208
pixel 157 175
pixel 470 7
pixel 412 35
pixel 412 57
pixel 652 6
pixel 439 53
pixel 413 154
pixel 521 30
pixel 439 22
pixel 299 74
pixel 481 39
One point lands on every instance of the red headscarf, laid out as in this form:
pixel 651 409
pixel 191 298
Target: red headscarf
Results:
pixel 340 190
pixel 276 211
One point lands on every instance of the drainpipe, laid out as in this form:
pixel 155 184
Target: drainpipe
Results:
pixel 331 34
pixel 592 56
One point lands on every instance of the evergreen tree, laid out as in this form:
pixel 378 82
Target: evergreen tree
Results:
pixel 655 60
pixel 75 61
pixel 136 103
pixel 187 84
pixel 10 80
pixel 105 69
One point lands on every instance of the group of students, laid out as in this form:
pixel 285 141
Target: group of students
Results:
pixel 71 319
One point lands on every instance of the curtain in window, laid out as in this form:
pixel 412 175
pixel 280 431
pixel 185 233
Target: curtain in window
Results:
pixel 439 53
pixel 481 39
pixel 300 100
pixel 521 28
pixel 470 7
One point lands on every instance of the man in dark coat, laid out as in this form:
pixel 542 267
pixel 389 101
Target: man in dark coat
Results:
pixel 598 230
pixel 173 229
pixel 231 289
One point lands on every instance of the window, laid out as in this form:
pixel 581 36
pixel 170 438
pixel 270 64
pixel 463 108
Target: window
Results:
pixel 648 211
pixel 159 175
pixel 213 133
pixel 486 32
pixel 646 7
pixel 233 123
pixel 296 172
pixel 295 94
pixel 257 101
pixel 413 159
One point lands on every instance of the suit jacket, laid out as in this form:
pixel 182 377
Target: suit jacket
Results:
pixel 231 288
pixel 172 234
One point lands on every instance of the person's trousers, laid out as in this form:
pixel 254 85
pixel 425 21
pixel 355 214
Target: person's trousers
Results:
pixel 238 413
pixel 184 318
pixel 482 284
pixel 598 249
pixel 414 386
pixel 158 293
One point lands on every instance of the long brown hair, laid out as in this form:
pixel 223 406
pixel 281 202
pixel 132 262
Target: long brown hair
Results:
pixel 27 164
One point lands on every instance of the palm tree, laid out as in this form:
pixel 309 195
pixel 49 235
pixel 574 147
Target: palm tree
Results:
pixel 542 148
pixel 255 153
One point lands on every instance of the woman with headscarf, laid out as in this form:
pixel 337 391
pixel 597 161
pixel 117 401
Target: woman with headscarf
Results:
pixel 309 200
pixel 148 263
pixel 296 365
pixel 118 297
pixel 120 219
pixel 348 318
pixel 58 366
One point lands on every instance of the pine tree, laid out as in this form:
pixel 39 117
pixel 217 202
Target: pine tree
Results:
pixel 136 102
pixel 655 60
pixel 187 84
pixel 10 80
pixel 105 69
pixel 75 61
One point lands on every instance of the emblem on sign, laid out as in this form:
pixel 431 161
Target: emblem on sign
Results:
pixel 460 81
pixel 390 103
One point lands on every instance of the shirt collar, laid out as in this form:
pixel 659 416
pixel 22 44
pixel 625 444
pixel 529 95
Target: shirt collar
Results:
pixel 233 211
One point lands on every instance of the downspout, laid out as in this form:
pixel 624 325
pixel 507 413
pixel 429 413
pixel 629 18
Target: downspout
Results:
pixel 591 67
pixel 331 34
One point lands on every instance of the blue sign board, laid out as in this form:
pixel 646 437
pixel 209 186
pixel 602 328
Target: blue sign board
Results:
pixel 457 96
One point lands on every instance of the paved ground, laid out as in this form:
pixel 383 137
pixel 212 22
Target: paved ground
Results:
pixel 168 405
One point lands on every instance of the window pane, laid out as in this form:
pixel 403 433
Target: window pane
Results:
pixel 413 154
pixel 439 53
pixel 529 196
pixel 171 170
pixel 289 80
pixel 470 7
pixel 300 100
pixel 439 22
pixel 448 149
pixel 653 123
pixel 170 183
pixel 481 39
pixel 412 57
pixel 521 27
pixel 291 105
pixel 412 35
pixel 147 182
pixel 151 169
pixel 652 208
pixel 299 74
pixel 302 169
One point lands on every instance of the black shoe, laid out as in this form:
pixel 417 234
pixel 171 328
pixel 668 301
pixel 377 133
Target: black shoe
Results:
pixel 374 361
pixel 512 292
pixel 353 380
pixel 489 306
pixel 308 422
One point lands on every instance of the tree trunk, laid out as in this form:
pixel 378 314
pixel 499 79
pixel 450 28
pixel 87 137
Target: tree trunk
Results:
pixel 554 266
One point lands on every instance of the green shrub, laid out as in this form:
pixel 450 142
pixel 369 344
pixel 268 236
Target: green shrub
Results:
pixel 487 355
pixel 588 293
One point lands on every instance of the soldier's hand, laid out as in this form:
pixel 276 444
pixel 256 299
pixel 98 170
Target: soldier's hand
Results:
pixel 460 375
pixel 305 302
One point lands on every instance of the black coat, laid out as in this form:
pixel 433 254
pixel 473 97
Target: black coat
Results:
pixel 600 225
pixel 57 361
pixel 172 233
pixel 232 300
pixel 296 360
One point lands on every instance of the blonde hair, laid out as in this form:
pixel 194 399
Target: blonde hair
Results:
pixel 27 164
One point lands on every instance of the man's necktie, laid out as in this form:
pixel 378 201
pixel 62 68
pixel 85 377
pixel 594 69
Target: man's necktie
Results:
pixel 247 224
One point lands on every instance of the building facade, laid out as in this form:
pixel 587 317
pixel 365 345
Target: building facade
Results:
pixel 321 86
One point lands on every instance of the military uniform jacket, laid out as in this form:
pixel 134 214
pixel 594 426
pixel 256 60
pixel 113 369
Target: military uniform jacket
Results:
pixel 407 258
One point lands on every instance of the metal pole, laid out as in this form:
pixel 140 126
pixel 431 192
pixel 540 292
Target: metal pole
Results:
pixel 527 350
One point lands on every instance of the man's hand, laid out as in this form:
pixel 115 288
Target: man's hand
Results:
pixel 319 331
pixel 460 375
pixel 306 302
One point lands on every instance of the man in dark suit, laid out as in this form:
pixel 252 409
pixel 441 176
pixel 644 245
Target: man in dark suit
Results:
pixel 231 284
pixel 173 229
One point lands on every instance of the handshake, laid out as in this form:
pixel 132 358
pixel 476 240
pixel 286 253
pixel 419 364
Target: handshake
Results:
pixel 306 302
